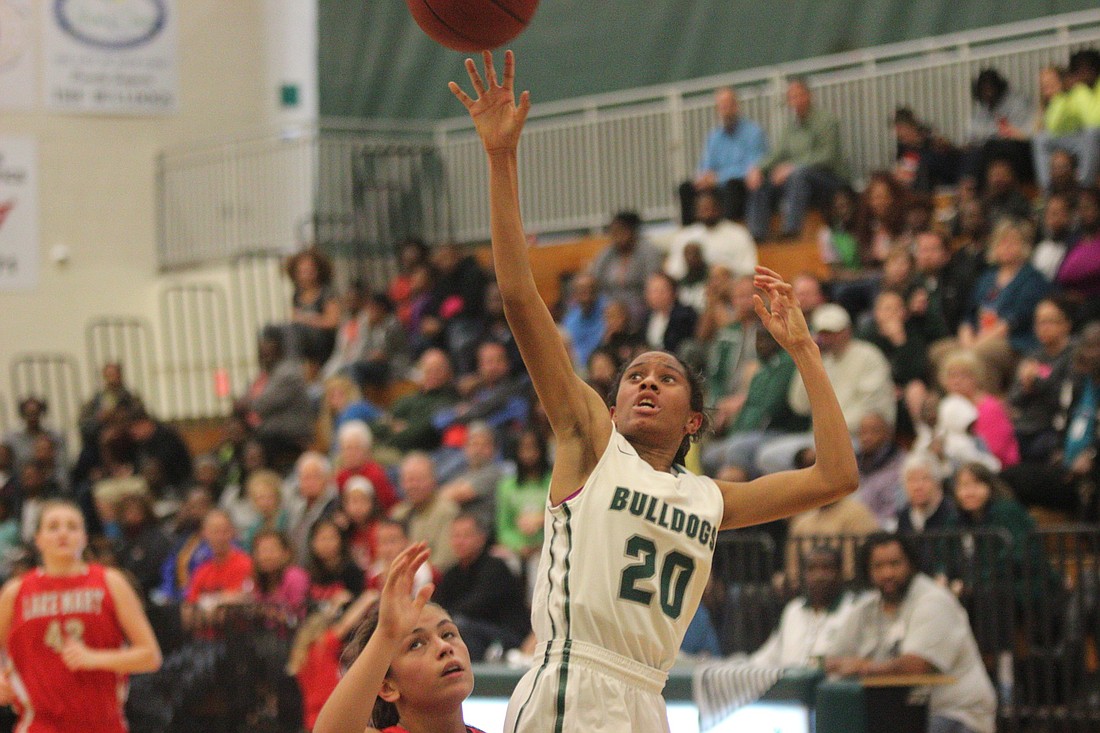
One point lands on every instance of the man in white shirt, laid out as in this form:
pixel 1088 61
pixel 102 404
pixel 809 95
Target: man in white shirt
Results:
pixel 810 625
pixel 859 373
pixel 912 625
pixel 724 242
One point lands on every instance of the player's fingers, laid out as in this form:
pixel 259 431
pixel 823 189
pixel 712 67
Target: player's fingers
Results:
pixel 760 269
pixel 490 70
pixel 524 107
pixel 759 307
pixel 509 69
pixel 423 596
pixel 461 95
pixel 475 78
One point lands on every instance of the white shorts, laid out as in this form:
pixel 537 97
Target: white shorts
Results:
pixel 578 687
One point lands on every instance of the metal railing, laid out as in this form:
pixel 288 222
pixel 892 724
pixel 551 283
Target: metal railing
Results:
pixel 1033 604
pixel 581 159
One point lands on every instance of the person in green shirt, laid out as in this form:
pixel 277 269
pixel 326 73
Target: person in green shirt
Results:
pixel 1071 120
pixel 764 415
pixel 521 499
pixel 804 166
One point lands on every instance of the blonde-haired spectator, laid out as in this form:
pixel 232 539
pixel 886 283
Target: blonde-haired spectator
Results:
pixel 963 373
pixel 998 322
pixel 264 492
pixel 343 402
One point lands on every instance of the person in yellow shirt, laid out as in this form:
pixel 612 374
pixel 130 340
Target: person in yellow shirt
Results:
pixel 1071 119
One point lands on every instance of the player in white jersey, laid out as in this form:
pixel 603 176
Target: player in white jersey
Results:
pixel 628 533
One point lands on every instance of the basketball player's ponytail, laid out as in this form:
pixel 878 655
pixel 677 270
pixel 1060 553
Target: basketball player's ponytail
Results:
pixel 385 713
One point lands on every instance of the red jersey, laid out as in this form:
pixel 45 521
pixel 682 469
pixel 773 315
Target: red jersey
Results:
pixel 384 493
pixel 319 674
pixel 50 610
pixel 221 576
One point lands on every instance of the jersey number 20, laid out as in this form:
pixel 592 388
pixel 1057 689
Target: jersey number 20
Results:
pixel 676 571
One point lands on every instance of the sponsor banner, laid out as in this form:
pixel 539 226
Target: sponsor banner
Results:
pixel 110 56
pixel 18 53
pixel 18 213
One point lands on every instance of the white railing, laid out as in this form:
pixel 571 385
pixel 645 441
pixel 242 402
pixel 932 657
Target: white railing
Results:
pixel 582 159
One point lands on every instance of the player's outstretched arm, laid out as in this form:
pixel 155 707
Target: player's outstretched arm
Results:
pixel 834 474
pixel 578 416
pixel 349 707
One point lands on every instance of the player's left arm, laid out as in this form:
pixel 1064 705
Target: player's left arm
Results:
pixel 143 652
pixel 834 473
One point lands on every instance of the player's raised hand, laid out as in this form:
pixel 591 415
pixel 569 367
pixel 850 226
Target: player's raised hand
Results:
pixel 497 117
pixel 782 315
pixel 399 609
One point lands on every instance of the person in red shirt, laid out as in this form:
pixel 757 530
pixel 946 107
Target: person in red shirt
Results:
pixel 315 655
pixel 355 442
pixel 225 577
pixel 73 632
pixel 409 658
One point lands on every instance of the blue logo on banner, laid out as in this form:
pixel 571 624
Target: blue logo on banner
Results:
pixel 111 24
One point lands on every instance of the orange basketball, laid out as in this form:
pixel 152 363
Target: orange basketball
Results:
pixel 472 25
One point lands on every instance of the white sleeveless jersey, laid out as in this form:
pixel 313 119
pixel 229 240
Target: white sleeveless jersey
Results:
pixel 625 560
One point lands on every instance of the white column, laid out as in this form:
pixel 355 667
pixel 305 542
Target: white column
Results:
pixel 291 47
pixel 286 202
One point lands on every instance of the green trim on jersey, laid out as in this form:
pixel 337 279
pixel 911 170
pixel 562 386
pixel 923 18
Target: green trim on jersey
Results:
pixel 553 626
pixel 563 672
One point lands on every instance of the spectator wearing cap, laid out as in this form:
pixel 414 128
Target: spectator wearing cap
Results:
pixel 359 515
pixel 859 373
pixel 923 162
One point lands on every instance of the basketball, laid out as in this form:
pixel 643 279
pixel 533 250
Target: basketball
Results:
pixel 472 25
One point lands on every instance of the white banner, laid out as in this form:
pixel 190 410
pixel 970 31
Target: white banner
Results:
pixel 18 213
pixel 110 56
pixel 18 48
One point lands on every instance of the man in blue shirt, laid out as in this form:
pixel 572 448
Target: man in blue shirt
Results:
pixel 731 149
pixel 583 319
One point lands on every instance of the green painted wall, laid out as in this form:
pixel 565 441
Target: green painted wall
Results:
pixel 376 63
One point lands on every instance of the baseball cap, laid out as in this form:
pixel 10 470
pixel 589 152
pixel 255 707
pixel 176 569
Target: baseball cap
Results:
pixel 359 483
pixel 831 317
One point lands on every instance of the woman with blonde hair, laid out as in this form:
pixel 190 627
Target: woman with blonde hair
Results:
pixel 963 373
pixel 998 321
pixel 343 401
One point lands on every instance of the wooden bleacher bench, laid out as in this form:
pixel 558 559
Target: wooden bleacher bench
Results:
pixel 554 263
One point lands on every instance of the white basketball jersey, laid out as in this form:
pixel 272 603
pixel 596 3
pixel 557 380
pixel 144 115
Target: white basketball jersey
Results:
pixel 625 561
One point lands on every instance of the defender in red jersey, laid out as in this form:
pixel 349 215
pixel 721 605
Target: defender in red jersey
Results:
pixel 411 671
pixel 73 632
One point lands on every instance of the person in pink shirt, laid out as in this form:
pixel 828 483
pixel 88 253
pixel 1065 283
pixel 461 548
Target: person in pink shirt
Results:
pixel 278 584
pixel 962 373
pixel 1079 273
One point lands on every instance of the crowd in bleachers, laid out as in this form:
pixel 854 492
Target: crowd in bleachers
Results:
pixel 958 322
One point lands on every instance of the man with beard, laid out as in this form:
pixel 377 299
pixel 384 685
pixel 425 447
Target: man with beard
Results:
pixel 912 625
pixel 724 243
pixel 811 624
